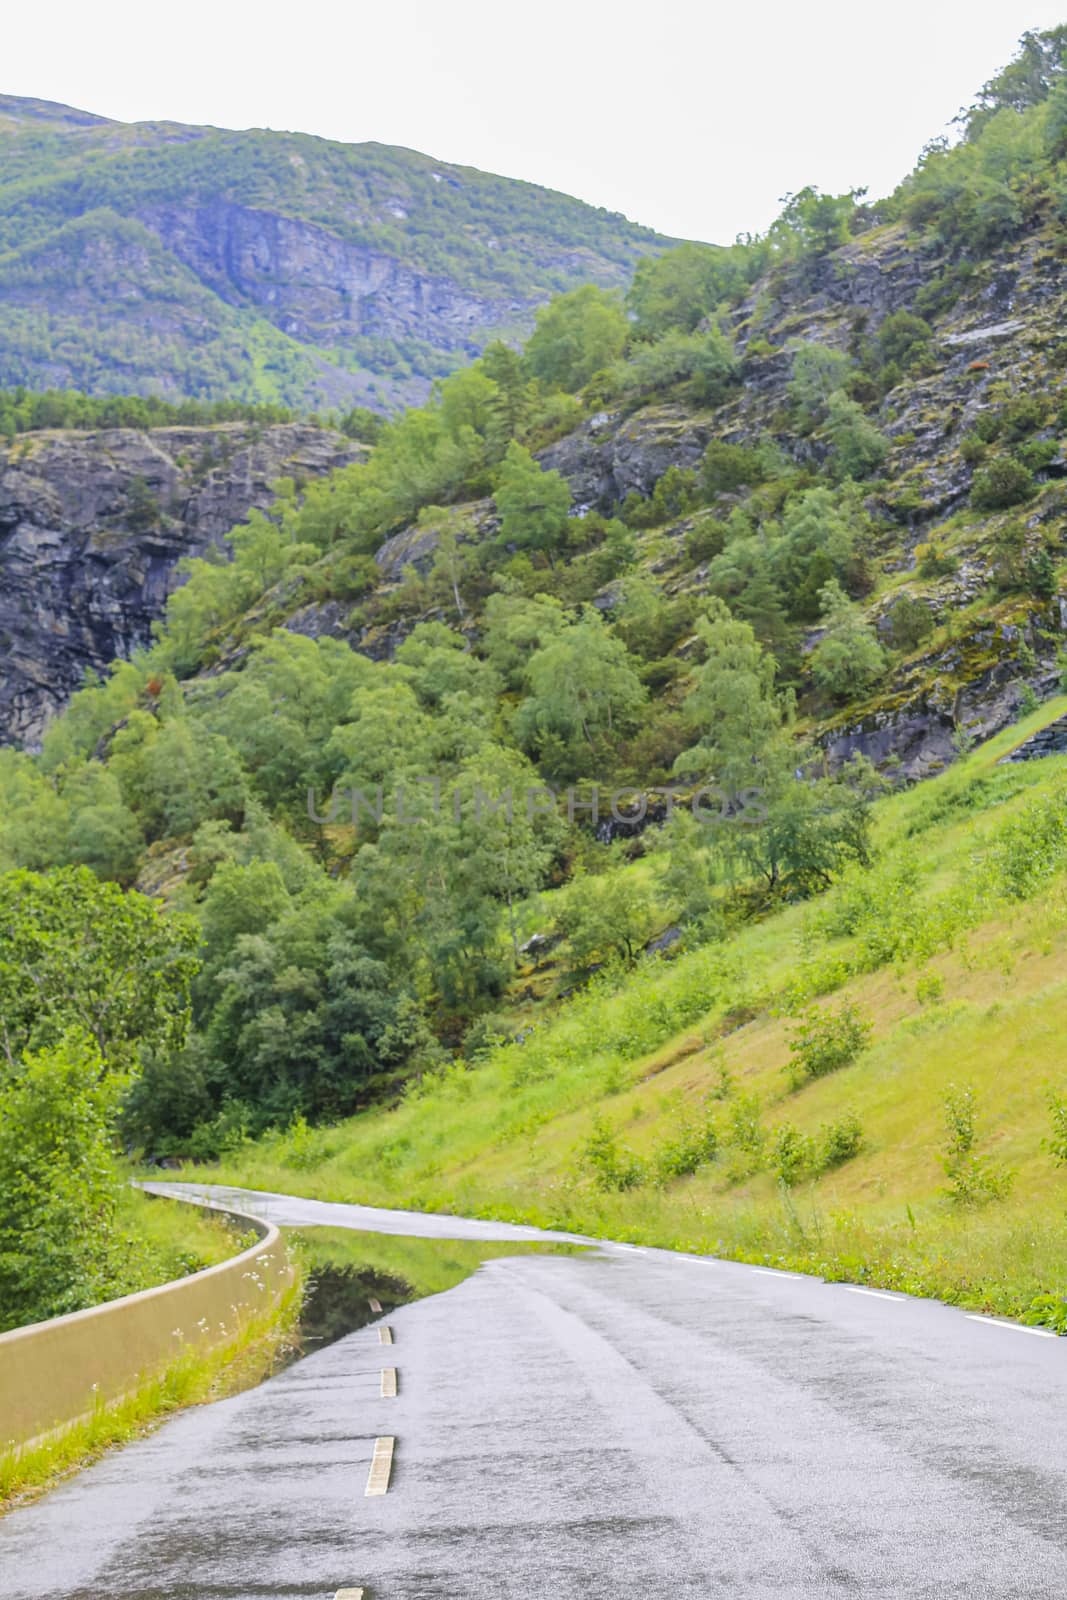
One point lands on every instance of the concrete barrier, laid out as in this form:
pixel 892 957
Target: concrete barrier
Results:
pixel 55 1372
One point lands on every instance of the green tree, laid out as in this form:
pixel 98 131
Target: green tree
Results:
pixel 607 917
pixel 576 335
pixel 581 686
pixel 859 449
pixel 848 658
pixel 818 373
pixel 680 288
pixel 78 953
pixel 59 1185
pixel 534 505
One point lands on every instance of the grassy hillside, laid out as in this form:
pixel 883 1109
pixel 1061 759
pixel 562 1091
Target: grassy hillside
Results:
pixel 951 949
pixel 159 258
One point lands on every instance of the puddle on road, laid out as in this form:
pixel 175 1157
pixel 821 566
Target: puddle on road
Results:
pixel 338 1302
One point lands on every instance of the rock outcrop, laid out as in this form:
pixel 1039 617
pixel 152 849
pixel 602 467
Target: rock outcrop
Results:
pixel 92 527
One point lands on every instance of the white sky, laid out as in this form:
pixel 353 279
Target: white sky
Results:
pixel 692 116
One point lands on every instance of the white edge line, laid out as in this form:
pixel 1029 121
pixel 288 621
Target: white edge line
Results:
pixel 771 1272
pixel 876 1294
pixel 1015 1327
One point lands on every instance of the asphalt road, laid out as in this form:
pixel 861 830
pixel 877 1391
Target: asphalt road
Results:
pixel 624 1423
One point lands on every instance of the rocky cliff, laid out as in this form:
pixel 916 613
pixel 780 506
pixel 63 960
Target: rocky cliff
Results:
pixel 92 526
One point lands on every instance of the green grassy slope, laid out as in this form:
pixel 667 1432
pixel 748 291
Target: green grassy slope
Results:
pixel 962 982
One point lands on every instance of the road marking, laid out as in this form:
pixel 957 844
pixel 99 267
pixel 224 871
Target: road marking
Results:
pixel 769 1272
pixel 376 1307
pixel 388 1391
pixel 875 1294
pixel 385 1335
pixel 349 1594
pixel 1016 1327
pixel 380 1467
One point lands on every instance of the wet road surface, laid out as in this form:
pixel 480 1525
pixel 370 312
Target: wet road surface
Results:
pixel 626 1422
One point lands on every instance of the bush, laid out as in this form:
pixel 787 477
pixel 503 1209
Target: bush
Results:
pixel 932 562
pixel 1058 1143
pixel 910 623
pixel 59 1187
pixel 729 467
pixel 612 1168
pixel 1004 482
pixel 793 1154
pixel 972 1179
pixel 1022 416
pixel 692 1147
pixel 706 541
pixel 840 1142
pixel 824 1041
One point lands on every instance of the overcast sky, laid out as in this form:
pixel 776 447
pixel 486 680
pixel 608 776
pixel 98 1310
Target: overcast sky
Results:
pixel 694 118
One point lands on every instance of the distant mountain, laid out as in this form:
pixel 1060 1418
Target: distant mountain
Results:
pixel 186 261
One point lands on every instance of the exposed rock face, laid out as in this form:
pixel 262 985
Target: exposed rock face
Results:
pixel 608 457
pixel 319 288
pixel 92 526
pixel 1050 741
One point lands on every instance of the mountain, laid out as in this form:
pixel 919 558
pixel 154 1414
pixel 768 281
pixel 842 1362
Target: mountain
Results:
pixel 162 258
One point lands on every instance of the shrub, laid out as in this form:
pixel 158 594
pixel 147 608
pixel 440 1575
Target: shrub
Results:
pixel 972 1179
pixel 611 1167
pixel 706 541
pixel 1022 416
pixel 59 1186
pixel 910 623
pixel 824 1041
pixel 1037 453
pixel 793 1154
pixel 840 1142
pixel 1058 1143
pixel 1004 482
pixel 729 467
pixel 691 1147
pixel 932 562
pixel 746 1132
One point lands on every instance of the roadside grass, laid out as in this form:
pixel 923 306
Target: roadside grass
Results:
pixel 261 1344
pixel 167 1241
pixel 953 947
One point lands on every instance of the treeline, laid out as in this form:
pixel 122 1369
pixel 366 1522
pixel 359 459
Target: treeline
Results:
pixel 24 410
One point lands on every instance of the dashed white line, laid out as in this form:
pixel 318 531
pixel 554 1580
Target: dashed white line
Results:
pixel 769 1272
pixel 349 1594
pixel 388 1384
pixel 376 1307
pixel 876 1294
pixel 385 1335
pixel 381 1467
pixel 1015 1327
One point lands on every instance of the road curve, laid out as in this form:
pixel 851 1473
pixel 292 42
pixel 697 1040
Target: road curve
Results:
pixel 622 1422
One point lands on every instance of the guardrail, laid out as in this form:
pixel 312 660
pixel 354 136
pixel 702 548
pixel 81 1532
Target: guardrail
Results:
pixel 56 1372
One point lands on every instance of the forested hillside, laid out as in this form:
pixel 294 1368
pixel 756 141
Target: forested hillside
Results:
pixel 775 534
pixel 158 258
